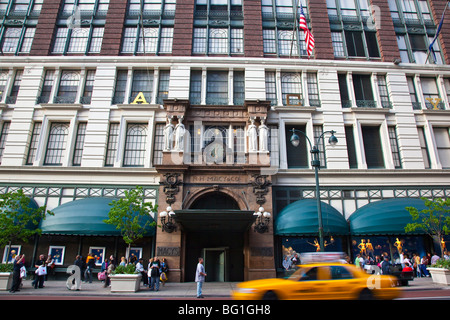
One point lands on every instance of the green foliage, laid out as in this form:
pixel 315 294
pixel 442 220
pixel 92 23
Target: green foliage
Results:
pixel 128 269
pixel 434 220
pixel 442 263
pixel 6 267
pixel 18 220
pixel 131 214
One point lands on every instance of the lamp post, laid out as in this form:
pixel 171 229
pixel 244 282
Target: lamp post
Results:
pixel 315 162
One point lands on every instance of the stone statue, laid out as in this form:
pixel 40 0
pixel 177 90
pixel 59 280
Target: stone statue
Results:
pixel 179 135
pixel 252 136
pixel 168 135
pixel 263 132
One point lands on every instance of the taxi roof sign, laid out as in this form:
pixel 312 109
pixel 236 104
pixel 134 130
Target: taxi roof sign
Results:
pixel 318 257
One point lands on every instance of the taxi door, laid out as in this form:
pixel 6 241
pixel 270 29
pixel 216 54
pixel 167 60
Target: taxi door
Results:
pixel 340 283
pixel 311 285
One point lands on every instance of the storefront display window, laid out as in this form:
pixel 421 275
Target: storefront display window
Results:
pixel 292 246
pixel 393 246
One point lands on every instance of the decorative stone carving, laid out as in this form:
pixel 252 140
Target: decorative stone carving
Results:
pixel 260 188
pixel 171 183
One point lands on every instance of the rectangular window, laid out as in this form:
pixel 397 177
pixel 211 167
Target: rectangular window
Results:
pixel 372 147
pixel 394 147
pixel 343 90
pixel 297 157
pixel 47 86
pixel 217 87
pixel 135 145
pixel 3 82
pixel 113 141
pixel 121 86
pixel 3 137
pixel 431 93
pixel 163 86
pixel 15 87
pixel 313 89
pixel 150 40
pixel 218 40
pixel 142 82
pixel 338 44
pixel 68 87
pixel 424 148
pixel 363 91
pixel 195 89
pixel 238 87
pixel 383 90
pixel 291 89
pixel 56 144
pixel 351 148
pixel 34 143
pixel 318 131
pixel 79 144
pixel 88 87
pixel 158 144
pixel 271 88
pixel 442 138
pixel 412 93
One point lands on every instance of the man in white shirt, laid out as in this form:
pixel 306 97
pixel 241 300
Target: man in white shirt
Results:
pixel 200 277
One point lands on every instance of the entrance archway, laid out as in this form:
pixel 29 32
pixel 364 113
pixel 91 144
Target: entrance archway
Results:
pixel 215 229
pixel 215 200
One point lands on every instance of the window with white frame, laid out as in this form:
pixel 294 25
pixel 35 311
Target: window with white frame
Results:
pixel 3 137
pixel 79 144
pixel 68 87
pixel 431 93
pixel 80 28
pixel 281 35
pixel 135 145
pixel 32 150
pixel 56 144
pixel 352 33
pixel 113 142
pixel 442 139
pixel 291 89
pixel 414 24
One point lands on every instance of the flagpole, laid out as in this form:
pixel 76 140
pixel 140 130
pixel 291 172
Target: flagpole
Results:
pixel 295 10
pixel 432 43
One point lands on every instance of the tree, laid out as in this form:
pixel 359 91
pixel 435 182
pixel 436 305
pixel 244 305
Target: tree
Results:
pixel 131 215
pixel 19 220
pixel 434 220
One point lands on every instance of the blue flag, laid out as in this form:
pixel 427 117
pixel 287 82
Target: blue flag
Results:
pixel 437 33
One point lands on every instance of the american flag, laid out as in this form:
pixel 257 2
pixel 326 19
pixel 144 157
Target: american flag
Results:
pixel 309 39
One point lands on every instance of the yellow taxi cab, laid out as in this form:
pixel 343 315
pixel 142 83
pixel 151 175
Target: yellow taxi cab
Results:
pixel 324 276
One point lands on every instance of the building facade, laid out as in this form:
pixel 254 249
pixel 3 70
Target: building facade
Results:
pixel 196 100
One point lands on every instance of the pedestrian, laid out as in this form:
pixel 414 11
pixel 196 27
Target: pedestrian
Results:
pixel 18 264
pixel 434 258
pixel 141 270
pixel 200 275
pixel 123 262
pixel 90 265
pixel 50 266
pixel 416 264
pixel 109 270
pixel 41 271
pixel 153 272
pixel 423 266
pixel 385 266
pixel 164 270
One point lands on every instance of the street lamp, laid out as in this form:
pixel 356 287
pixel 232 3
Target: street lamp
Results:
pixel 169 225
pixel 315 162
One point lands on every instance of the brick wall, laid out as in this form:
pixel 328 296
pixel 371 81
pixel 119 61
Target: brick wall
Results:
pixel 183 28
pixel 45 29
pixel 387 40
pixel 253 35
pixel 112 36
pixel 320 28
pixel 437 8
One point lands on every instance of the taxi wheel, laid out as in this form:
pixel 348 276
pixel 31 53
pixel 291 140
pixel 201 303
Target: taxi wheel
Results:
pixel 366 294
pixel 270 295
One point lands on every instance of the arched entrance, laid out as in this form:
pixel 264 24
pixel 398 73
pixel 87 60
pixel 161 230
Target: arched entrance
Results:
pixel 215 228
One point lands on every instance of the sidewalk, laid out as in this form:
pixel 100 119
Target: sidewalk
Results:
pixel 95 289
pixel 187 290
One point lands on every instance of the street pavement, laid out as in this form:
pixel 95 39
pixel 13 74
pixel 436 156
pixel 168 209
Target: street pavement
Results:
pixel 186 290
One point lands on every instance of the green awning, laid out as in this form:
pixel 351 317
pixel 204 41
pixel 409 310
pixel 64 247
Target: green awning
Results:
pixel 301 219
pixel 84 217
pixel 384 217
